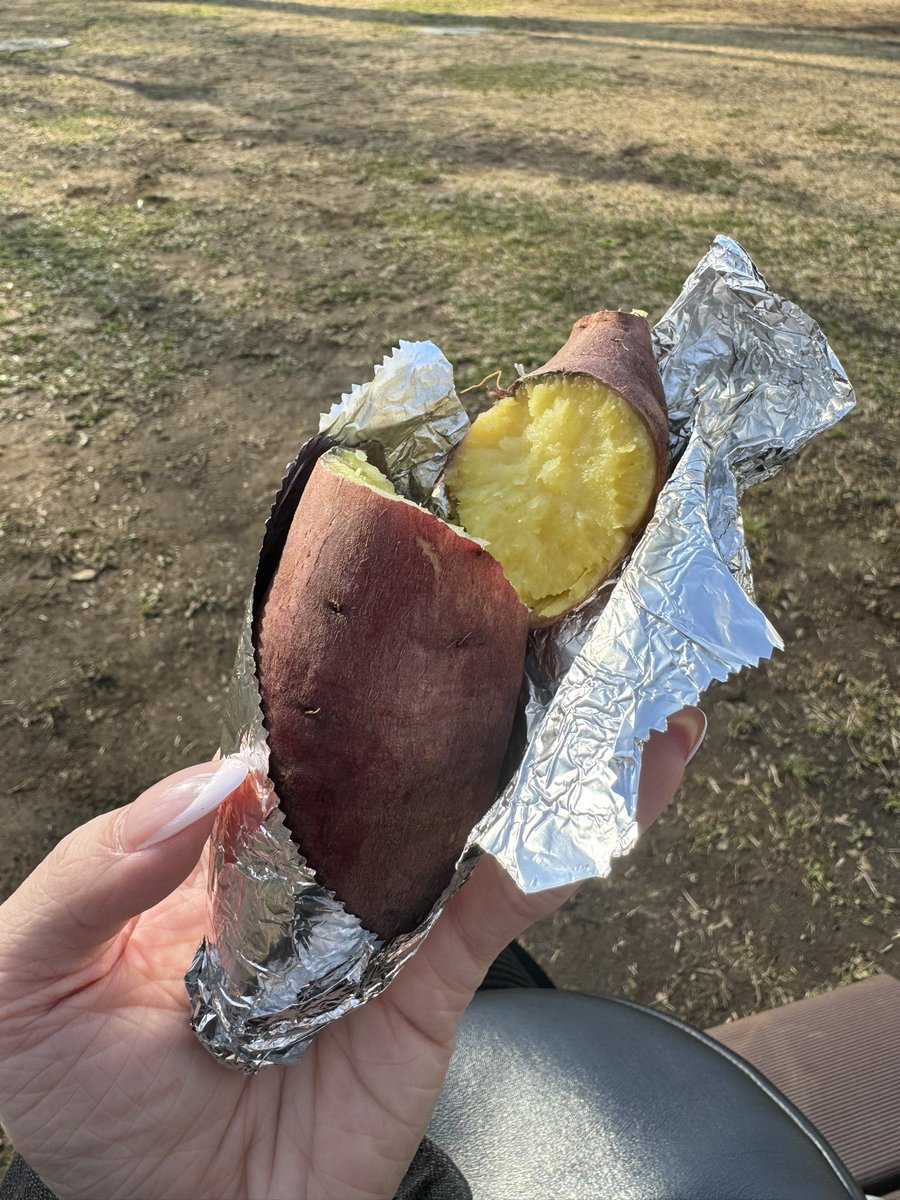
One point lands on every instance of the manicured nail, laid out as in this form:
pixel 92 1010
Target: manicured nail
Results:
pixel 691 723
pixel 178 801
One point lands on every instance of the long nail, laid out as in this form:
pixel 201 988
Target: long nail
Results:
pixel 691 724
pixel 178 801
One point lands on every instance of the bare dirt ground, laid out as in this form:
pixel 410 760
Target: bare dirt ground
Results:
pixel 216 217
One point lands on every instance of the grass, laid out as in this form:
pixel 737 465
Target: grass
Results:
pixel 864 712
pixel 97 262
pixel 77 130
pixel 537 78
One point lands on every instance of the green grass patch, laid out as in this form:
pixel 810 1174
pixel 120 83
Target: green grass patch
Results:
pixel 801 768
pixel 192 12
pixel 843 131
pixel 399 168
pixel 758 532
pixel 93 263
pixel 692 173
pixel 68 128
pixel 864 712
pixel 535 78
pixel 494 255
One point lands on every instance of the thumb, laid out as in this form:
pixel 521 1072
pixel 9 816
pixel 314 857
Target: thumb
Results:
pixel 108 871
pixel 490 911
pixel 665 759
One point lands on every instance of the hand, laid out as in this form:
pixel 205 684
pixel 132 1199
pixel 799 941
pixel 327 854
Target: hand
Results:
pixel 106 1092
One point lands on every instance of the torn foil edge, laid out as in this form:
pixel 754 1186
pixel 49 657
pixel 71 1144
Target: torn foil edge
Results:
pixel 749 379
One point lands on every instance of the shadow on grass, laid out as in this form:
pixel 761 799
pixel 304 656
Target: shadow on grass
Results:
pixel 156 91
pixel 417 153
pixel 856 41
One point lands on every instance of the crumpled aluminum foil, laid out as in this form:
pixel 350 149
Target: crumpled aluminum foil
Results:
pixel 749 379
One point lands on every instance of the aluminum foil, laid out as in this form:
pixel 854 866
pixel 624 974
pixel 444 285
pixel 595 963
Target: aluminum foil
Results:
pixel 410 412
pixel 749 379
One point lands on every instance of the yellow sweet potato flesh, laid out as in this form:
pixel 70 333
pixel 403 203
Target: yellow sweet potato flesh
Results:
pixel 555 479
pixel 353 465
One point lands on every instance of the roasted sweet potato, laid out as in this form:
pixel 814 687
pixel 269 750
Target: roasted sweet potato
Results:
pixel 390 650
pixel 562 473
pixel 390 645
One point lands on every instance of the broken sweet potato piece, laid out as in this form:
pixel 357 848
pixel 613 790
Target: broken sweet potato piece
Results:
pixel 562 473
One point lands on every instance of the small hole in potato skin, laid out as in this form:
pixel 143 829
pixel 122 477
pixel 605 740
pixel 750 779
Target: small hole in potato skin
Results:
pixel 335 606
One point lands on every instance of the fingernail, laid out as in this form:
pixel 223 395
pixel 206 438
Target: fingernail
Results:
pixel 691 722
pixel 178 801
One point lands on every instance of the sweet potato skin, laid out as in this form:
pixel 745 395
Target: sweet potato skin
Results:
pixel 390 652
pixel 615 349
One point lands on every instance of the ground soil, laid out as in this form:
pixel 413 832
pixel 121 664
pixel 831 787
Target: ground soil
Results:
pixel 218 216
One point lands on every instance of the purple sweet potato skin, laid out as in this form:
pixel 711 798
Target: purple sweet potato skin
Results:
pixel 390 652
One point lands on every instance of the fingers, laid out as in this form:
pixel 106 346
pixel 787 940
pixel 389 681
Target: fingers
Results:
pixel 490 911
pixel 479 921
pixel 664 760
pixel 177 803
pixel 108 871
